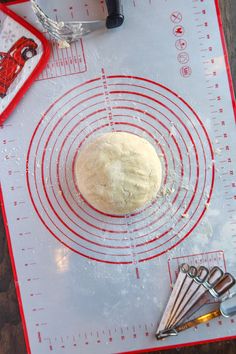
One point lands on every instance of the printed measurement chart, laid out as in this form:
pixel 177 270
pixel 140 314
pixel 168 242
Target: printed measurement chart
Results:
pixel 89 282
pixel 63 62
pixel 207 259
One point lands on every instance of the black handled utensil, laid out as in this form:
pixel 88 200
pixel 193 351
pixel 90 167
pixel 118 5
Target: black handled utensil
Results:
pixel 115 13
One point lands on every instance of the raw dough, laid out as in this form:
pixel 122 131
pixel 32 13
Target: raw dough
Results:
pixel 118 173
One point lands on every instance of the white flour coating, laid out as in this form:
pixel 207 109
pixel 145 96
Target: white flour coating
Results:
pixel 218 151
pixel 63 44
pixel 118 173
pixel 185 215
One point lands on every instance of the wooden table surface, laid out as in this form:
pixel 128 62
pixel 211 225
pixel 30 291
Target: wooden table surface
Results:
pixel 11 333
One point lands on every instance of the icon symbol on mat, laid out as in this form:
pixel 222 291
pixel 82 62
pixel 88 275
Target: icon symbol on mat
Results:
pixel 181 44
pixel 186 71
pixel 183 58
pixel 176 17
pixel 178 31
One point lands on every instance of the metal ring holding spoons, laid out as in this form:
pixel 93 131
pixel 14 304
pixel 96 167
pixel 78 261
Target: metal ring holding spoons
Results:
pixel 70 31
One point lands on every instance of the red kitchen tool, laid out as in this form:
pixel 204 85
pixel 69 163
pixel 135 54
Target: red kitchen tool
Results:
pixel 24 53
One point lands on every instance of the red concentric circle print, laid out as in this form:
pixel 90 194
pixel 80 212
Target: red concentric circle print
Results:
pixel 141 107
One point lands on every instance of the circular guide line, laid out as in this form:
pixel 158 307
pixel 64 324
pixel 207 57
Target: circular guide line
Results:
pixel 139 106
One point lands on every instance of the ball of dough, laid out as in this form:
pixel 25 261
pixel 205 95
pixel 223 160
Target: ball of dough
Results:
pixel 118 173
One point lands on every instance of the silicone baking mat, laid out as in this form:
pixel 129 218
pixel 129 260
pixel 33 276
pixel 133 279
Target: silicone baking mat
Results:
pixel 92 283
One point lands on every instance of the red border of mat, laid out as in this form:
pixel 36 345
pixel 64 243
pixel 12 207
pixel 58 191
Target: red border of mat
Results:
pixel 39 67
pixel 8 234
pixel 14 272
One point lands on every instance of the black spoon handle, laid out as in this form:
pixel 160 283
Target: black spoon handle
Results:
pixel 115 13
